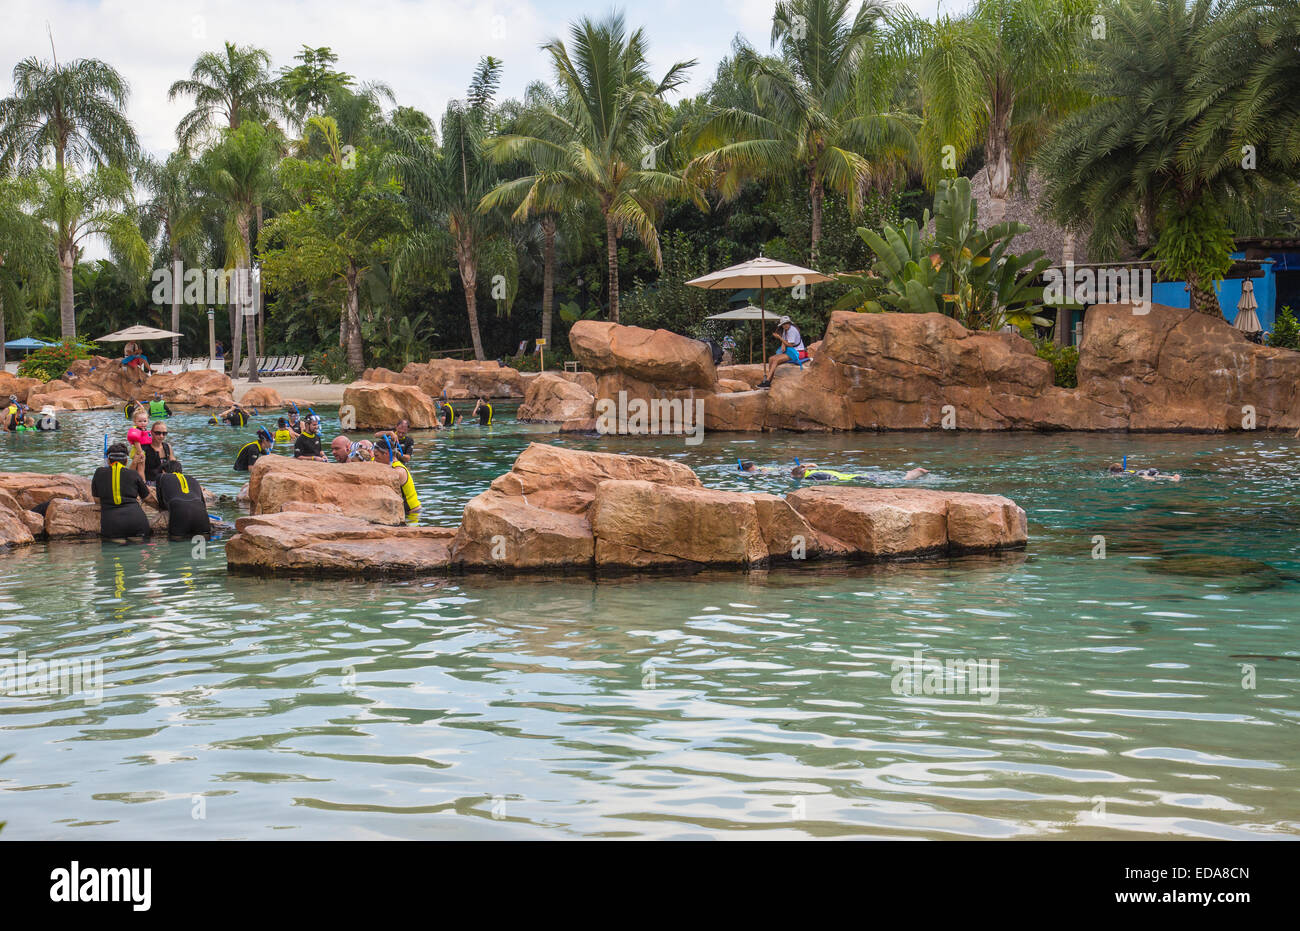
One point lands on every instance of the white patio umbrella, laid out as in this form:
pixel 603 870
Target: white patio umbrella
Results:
pixel 761 273
pixel 1247 320
pixel 137 333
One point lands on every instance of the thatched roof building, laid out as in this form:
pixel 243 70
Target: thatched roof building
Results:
pixel 1023 207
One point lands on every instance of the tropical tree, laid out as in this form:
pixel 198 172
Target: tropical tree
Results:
pixel 74 115
pixel 343 228
pixel 75 207
pixel 228 88
pixel 25 254
pixel 822 112
pixel 598 141
pixel 176 209
pixel 1152 172
pixel 1001 75
pixel 308 87
pixel 240 172
pixel 445 187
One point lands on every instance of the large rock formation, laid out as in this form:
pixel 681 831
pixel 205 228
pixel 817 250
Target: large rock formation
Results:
pixel 201 388
pixel 551 398
pixel 63 397
pixel 380 405
pixel 32 489
pixel 365 490
pixel 12 385
pixel 16 526
pixel 261 397
pixel 327 544
pixel 458 380
pixel 644 363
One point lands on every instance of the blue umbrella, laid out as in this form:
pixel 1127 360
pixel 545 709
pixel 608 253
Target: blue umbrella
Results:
pixel 27 342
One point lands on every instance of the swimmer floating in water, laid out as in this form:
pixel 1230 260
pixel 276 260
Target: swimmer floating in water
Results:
pixel 812 473
pixel 747 466
pixel 1150 475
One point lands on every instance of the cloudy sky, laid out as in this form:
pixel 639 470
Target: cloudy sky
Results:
pixel 424 49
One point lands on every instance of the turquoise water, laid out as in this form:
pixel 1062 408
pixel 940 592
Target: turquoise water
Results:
pixel 714 705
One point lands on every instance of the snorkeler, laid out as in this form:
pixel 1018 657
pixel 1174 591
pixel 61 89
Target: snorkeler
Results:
pixel 119 491
pixel 13 414
pixel 386 453
pixel 813 473
pixel 158 407
pixel 747 466
pixel 283 434
pixel 446 414
pixel 1150 475
pixel 405 441
pixel 182 498
pixel 483 411
pixel 235 415
pixel 308 445
pixel 249 453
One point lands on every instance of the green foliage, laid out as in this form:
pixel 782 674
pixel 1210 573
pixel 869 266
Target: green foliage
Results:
pixel 1064 360
pixel 331 365
pixel 53 361
pixel 1286 331
pixel 962 271
pixel 1195 245
pixel 531 362
pixel 669 303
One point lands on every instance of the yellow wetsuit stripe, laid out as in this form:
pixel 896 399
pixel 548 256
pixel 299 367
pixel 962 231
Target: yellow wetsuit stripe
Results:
pixel 408 488
pixel 489 407
pixel 185 487
pixel 116 469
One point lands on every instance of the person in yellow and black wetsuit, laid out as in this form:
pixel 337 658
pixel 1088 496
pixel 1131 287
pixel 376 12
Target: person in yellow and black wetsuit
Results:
pixel 251 452
pixel 182 498
pixel 13 414
pixel 483 411
pixel 283 435
pixel 447 414
pixel 308 445
pixel 386 452
pixel 119 491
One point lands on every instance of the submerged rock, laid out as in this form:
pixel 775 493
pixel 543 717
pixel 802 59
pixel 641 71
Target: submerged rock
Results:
pixel 1245 574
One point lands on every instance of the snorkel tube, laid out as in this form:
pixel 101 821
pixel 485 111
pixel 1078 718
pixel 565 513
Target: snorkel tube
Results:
pixel 1124 464
pixel 105 449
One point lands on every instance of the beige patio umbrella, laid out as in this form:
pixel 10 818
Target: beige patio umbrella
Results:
pixel 761 273
pixel 1247 320
pixel 136 334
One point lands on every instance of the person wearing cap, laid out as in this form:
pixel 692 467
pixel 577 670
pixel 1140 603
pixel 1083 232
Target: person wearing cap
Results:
pixel 386 453
pixel 251 452
pixel 792 349
pixel 308 445
pixel 119 490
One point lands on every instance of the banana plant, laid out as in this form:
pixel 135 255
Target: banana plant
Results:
pixel 962 271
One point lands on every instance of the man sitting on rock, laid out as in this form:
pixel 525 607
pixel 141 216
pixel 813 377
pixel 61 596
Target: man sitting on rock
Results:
pixel 251 452
pixel 386 453
pixel 792 350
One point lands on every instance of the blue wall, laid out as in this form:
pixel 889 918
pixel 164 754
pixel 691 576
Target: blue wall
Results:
pixel 1174 294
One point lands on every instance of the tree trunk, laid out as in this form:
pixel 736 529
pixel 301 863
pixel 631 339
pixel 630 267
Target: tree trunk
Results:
pixel 356 355
pixel 3 354
pixel 469 281
pixel 252 338
pixel 548 275
pixel 997 158
pixel 176 303
pixel 817 196
pixel 67 310
pixel 611 256
pixel 1203 299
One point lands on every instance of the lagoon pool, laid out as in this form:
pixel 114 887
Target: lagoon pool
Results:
pixel 1151 693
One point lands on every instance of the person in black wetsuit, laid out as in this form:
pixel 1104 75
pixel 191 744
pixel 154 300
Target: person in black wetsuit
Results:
pixel 251 452
pixel 182 498
pixel 307 446
pixel 235 416
pixel 483 411
pixel 158 453
pixel 119 491
pixel 404 440
pixel 447 414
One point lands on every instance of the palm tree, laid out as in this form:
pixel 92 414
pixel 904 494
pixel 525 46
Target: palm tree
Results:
pixel 1002 75
pixel 822 112
pixel 24 254
pixel 445 186
pixel 75 207
pixel 1136 160
pixel 308 87
pixel 177 209
pixel 74 113
pixel 598 141
pixel 240 171
pixel 229 89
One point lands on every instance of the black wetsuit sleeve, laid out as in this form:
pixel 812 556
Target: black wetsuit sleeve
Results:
pixel 164 490
pixel 247 456
pixel 408 446
pixel 99 484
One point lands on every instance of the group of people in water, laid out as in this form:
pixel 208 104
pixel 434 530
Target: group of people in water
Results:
pixel 16 417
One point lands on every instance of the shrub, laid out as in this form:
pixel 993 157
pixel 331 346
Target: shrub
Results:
pixel 529 362
pixel 1286 330
pixel 330 365
pixel 52 361
pixel 1064 359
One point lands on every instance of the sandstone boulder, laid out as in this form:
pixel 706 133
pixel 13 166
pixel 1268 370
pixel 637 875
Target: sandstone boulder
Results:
pixel 380 405
pixel 262 398
pixel 551 398
pixel 364 490
pixel 509 532
pixel 66 519
pixel 729 385
pixel 15 526
pixel 32 489
pixel 11 384
pixel 205 388
pixel 111 377
pixel 460 380
pixel 62 397
pixel 566 479
pixel 316 543
pixel 387 376
pixel 749 374
pixel 656 357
